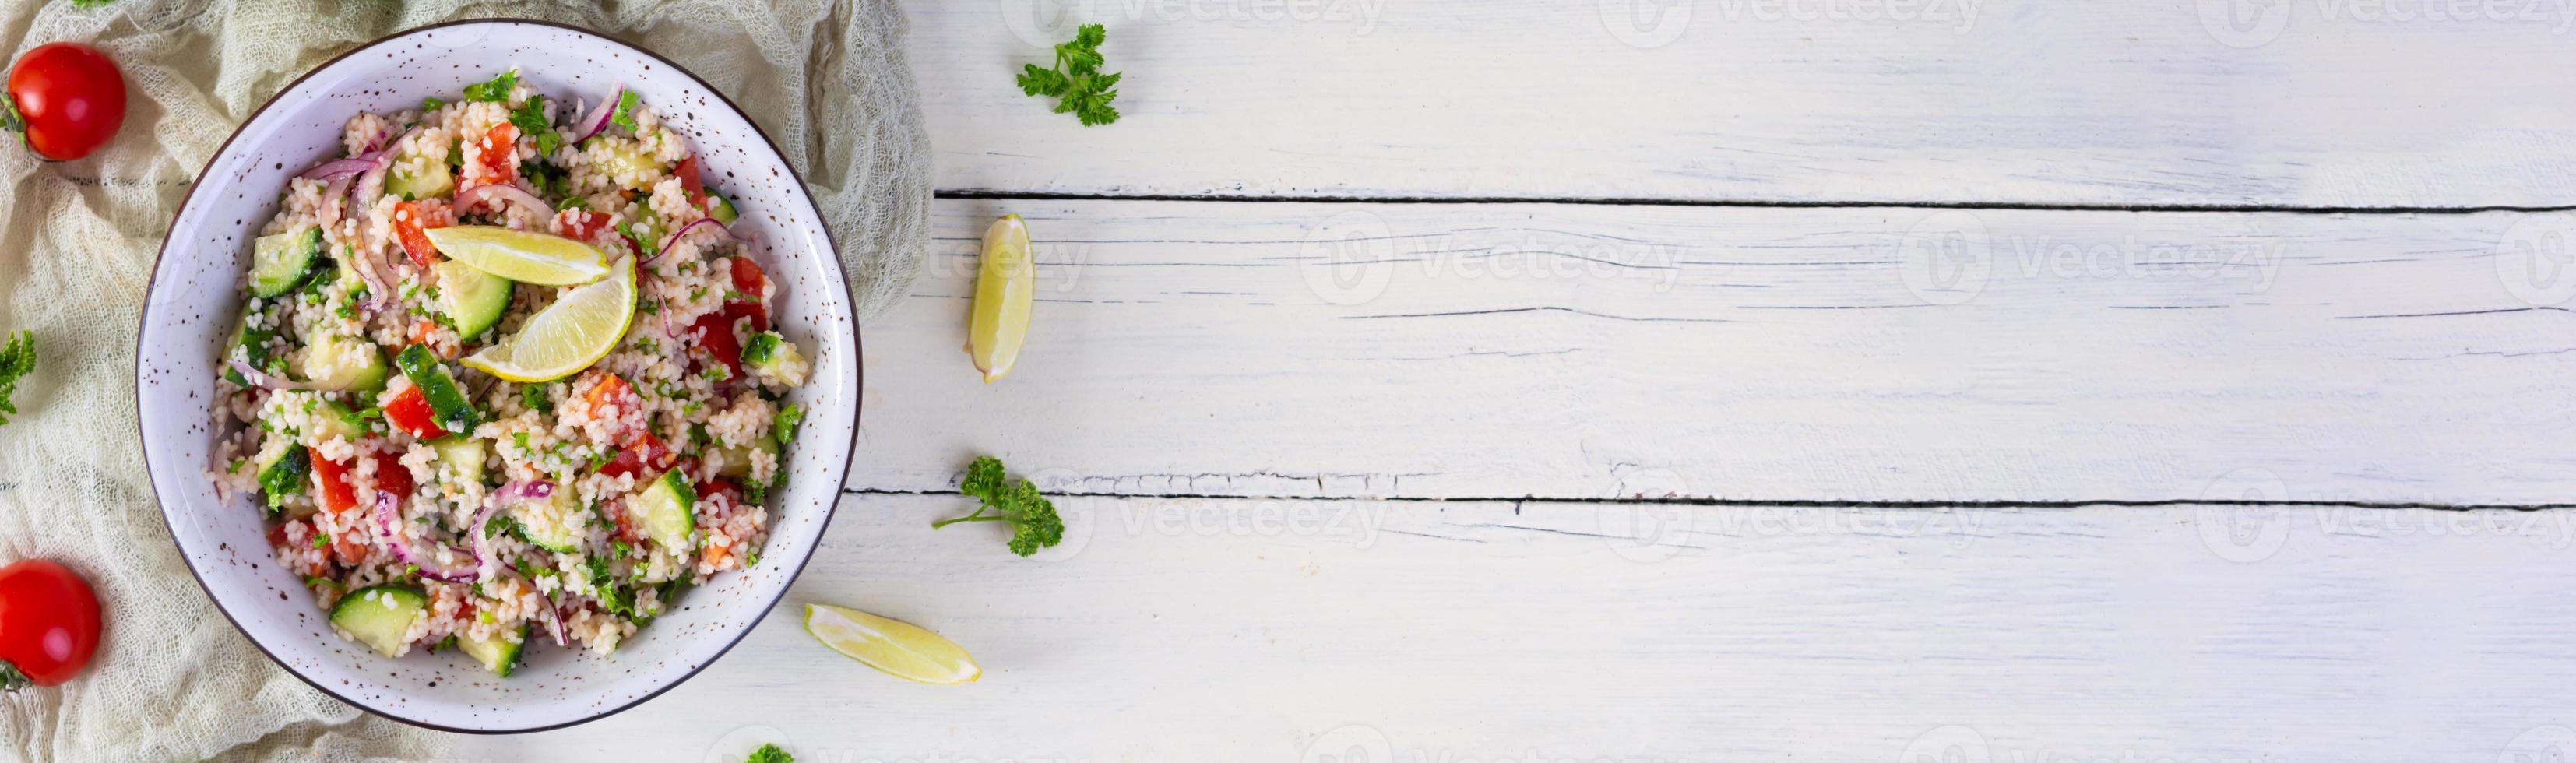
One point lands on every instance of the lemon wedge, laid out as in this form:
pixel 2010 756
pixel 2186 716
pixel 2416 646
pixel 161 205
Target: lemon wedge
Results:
pixel 522 256
pixel 567 336
pixel 901 649
pixel 1005 288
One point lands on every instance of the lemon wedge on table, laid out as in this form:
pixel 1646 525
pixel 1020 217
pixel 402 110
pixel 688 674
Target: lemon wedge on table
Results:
pixel 522 256
pixel 1005 287
pixel 567 336
pixel 901 649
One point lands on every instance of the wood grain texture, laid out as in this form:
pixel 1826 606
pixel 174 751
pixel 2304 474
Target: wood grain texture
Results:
pixel 2024 101
pixel 1257 630
pixel 1577 351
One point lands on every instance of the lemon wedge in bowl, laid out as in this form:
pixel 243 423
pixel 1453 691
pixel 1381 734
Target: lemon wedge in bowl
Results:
pixel 901 649
pixel 522 256
pixel 567 336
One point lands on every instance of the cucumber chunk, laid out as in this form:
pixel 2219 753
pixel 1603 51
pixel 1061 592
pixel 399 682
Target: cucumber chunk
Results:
pixel 737 461
pixel 254 346
pixel 547 524
pixel 285 476
pixel 381 616
pixel 627 159
pixel 724 212
pixel 471 298
pixel 280 262
pixel 499 653
pixel 446 401
pixel 346 364
pixel 461 454
pixel 667 509
pixel 436 181
pixel 331 419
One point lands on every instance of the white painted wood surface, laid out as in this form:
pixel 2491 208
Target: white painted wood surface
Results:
pixel 1342 475
pixel 2341 103
pixel 1253 630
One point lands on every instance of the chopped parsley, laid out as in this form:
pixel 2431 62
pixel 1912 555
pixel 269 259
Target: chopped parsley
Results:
pixel 1076 82
pixel 431 103
pixel 769 753
pixel 17 359
pixel 625 116
pixel 1034 523
pixel 530 118
pixel 494 91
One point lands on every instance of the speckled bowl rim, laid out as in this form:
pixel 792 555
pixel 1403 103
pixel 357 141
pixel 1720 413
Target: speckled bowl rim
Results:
pixel 858 356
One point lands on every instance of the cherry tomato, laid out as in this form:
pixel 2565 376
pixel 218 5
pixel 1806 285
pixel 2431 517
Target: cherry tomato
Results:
pixel 715 332
pixel 67 98
pixel 747 278
pixel 687 169
pixel 499 153
pixel 409 219
pixel 338 496
pixel 410 410
pixel 579 225
pixel 642 454
pixel 392 476
pixel 48 624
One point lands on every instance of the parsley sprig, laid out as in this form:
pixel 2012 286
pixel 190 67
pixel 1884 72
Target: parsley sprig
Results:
pixel 1034 524
pixel 1076 82
pixel 17 359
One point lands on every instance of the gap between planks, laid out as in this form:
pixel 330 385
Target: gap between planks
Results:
pixel 987 194
pixel 1791 504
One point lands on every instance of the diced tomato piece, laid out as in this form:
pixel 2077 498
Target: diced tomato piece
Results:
pixel 499 154
pixel 392 476
pixel 580 225
pixel 687 169
pixel 277 534
pixel 645 453
pixel 617 513
pixel 747 277
pixel 715 338
pixel 410 411
pixel 409 220
pixel 720 486
pixel 337 495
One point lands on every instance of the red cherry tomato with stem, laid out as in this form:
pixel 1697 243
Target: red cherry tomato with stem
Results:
pixel 66 99
pixel 48 624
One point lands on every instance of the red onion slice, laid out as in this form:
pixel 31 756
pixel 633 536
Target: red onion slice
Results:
pixel 389 525
pixel 674 238
pixel 501 192
pixel 340 168
pixel 597 120
pixel 554 615
pixel 265 381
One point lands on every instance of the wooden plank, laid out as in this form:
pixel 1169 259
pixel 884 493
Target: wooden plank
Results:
pixel 1583 351
pixel 2022 101
pixel 1260 630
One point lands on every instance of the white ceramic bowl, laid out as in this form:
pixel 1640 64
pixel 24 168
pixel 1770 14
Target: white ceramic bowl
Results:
pixel 196 290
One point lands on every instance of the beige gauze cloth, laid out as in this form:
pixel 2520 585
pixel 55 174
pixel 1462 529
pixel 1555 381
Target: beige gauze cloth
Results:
pixel 173 680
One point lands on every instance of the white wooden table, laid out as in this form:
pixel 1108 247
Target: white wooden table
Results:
pixel 2012 380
